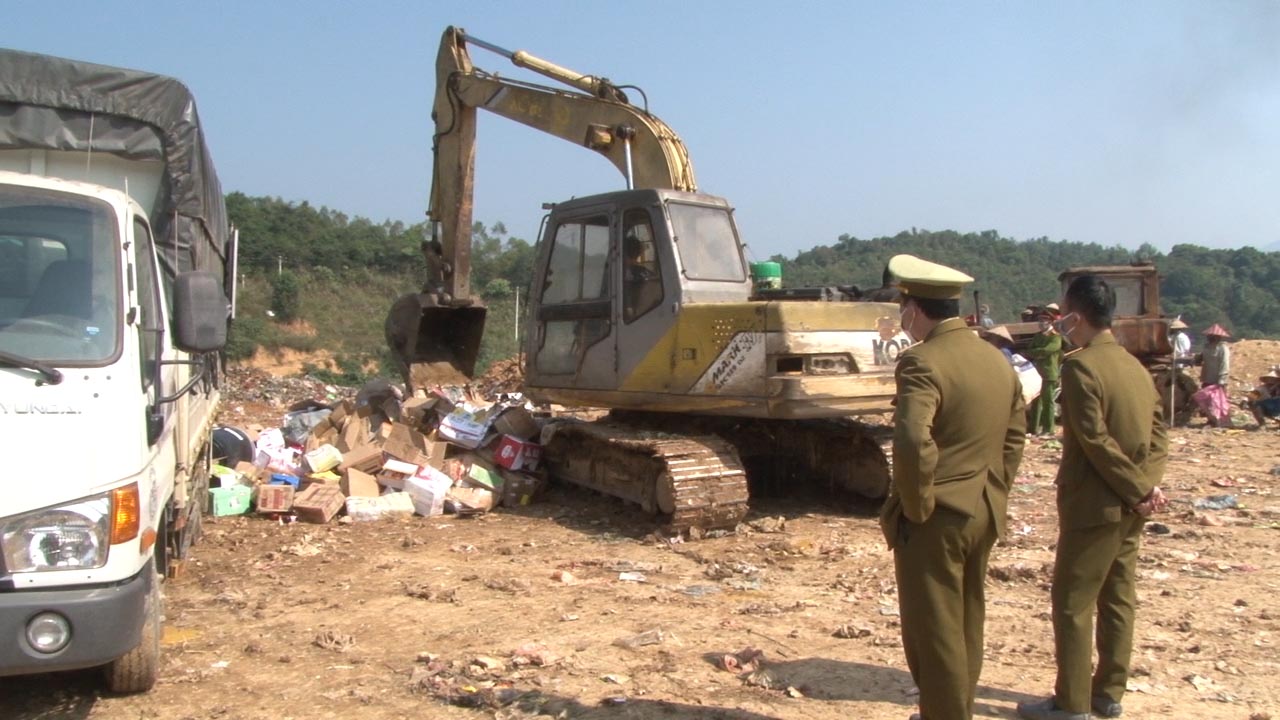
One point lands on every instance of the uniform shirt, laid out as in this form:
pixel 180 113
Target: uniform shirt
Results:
pixel 1217 364
pixel 1113 442
pixel 1045 350
pixel 958 428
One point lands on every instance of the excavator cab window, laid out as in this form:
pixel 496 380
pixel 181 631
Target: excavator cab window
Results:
pixel 576 310
pixel 641 274
pixel 708 246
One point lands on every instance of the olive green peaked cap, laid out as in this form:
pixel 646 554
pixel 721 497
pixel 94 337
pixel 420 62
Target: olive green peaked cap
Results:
pixel 924 279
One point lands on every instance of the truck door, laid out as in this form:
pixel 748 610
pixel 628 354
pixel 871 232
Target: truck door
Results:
pixel 157 380
pixel 574 317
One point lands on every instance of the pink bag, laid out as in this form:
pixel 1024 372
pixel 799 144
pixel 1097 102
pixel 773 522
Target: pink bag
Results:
pixel 1212 400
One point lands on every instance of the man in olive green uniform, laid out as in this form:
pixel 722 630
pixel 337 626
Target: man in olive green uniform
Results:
pixel 1045 351
pixel 1113 456
pixel 958 436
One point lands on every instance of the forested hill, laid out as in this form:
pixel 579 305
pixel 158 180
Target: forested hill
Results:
pixel 1238 288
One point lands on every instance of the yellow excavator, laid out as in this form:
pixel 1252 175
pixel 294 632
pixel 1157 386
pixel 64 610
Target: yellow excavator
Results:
pixel 642 303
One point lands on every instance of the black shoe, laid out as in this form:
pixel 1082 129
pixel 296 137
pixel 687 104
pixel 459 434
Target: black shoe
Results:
pixel 1105 707
pixel 1047 709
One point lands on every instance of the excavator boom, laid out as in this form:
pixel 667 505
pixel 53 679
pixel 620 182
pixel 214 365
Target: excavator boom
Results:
pixel 594 113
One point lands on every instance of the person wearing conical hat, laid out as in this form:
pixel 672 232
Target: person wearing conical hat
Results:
pixel 999 337
pixel 1179 339
pixel 1215 372
pixel 1264 401
pixel 953 465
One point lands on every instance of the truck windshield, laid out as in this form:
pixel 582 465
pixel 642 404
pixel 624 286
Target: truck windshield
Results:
pixel 59 277
pixel 707 242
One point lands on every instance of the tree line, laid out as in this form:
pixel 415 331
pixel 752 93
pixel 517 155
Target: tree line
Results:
pixel 298 236
pixel 1239 288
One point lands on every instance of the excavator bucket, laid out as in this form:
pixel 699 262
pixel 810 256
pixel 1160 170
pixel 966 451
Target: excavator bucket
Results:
pixel 434 344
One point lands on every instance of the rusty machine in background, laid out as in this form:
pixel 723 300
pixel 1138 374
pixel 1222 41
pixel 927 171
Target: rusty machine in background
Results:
pixel 642 303
pixel 1139 327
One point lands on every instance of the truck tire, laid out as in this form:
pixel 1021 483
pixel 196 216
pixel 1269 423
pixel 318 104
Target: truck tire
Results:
pixel 137 670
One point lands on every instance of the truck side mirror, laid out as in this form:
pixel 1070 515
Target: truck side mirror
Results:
pixel 200 312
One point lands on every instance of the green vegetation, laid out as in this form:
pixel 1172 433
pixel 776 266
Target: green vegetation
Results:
pixel 340 276
pixel 1238 288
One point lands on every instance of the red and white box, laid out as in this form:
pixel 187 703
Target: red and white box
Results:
pixel 513 453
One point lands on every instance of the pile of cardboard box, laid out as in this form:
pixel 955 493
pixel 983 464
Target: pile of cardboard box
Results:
pixel 376 457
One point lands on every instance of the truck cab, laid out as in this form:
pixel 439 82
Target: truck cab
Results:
pixel 114 250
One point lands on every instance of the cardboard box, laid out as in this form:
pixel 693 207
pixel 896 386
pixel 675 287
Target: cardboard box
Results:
pixel 515 454
pixel 224 476
pixel 367 459
pixel 416 410
pixel 465 429
pixel 470 499
pixel 482 476
pixel 355 433
pixel 516 422
pixel 405 443
pixel 392 506
pixel 428 489
pixel 340 413
pixel 279 460
pixel 395 472
pixel 234 500
pixel 325 457
pixel 357 483
pixel 318 503
pixel 248 471
pixel 520 489
pixel 275 498
pixel 328 477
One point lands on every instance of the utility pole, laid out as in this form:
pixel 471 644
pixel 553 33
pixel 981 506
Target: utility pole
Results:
pixel 517 333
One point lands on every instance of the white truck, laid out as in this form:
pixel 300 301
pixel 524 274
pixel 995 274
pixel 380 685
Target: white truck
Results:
pixel 116 288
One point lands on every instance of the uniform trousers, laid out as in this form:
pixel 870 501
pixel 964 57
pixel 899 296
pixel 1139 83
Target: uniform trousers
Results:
pixel 941 565
pixel 1095 568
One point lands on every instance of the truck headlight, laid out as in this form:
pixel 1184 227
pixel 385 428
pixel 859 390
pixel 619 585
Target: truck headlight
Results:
pixel 75 536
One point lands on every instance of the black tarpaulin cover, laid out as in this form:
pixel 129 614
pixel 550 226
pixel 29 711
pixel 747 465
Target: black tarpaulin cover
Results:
pixel 52 103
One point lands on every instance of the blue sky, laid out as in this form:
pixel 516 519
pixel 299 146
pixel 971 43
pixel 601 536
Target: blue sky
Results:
pixel 1090 121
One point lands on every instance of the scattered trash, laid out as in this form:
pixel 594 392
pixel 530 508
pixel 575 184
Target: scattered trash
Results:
pixel 763 678
pixel 1156 528
pixel 850 632
pixel 615 679
pixel 333 640
pixel 648 637
pixel 534 654
pixel 769 524
pixel 700 590
pixel 1224 482
pixel 635 577
pixel 746 660
pixel 1217 502
pixel 565 577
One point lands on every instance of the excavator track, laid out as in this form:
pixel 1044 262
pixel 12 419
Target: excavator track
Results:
pixel 693 481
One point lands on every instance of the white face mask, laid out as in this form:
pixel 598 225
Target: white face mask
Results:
pixel 1067 324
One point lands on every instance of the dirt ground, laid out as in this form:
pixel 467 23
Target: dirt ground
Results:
pixel 527 612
